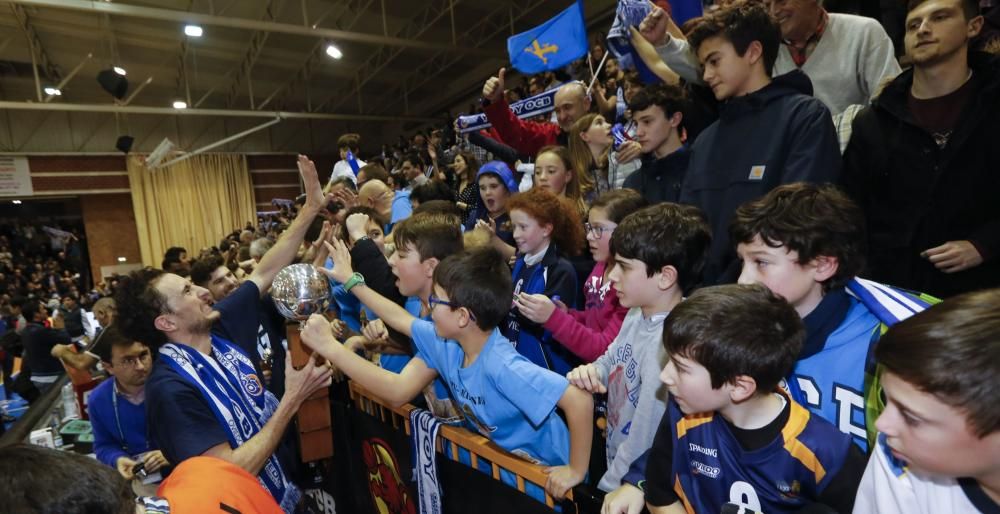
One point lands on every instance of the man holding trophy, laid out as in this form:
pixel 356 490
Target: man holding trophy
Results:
pixel 205 395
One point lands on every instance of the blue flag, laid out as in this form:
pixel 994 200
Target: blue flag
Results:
pixel 551 45
pixel 683 10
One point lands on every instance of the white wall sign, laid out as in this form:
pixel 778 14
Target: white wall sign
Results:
pixel 15 177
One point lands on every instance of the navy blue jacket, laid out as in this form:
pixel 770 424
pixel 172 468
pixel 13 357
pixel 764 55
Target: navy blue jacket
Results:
pixel 777 135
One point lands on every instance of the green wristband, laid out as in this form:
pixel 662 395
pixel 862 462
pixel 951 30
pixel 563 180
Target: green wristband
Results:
pixel 357 279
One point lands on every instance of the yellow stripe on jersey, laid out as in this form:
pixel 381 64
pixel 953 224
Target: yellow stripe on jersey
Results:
pixel 797 419
pixel 683 497
pixel 688 422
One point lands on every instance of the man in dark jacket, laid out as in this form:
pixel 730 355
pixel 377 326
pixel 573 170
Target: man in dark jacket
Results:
pixel 770 131
pixel 658 112
pixel 923 161
pixel 38 341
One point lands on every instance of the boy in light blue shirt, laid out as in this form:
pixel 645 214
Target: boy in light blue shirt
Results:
pixel 502 395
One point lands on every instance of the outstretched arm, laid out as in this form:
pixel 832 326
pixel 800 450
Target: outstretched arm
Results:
pixel 284 250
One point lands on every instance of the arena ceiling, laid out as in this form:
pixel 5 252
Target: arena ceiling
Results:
pixel 403 60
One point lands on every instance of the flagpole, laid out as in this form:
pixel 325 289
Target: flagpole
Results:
pixel 594 77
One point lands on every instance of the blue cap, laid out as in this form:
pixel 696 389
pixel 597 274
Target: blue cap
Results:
pixel 500 169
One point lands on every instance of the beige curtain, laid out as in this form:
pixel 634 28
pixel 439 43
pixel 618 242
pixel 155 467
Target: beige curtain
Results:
pixel 192 204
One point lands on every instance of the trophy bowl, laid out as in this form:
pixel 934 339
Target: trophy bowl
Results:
pixel 299 291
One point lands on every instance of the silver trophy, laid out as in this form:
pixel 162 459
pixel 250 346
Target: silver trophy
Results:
pixel 299 291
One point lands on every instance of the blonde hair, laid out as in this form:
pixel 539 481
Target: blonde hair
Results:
pixel 579 150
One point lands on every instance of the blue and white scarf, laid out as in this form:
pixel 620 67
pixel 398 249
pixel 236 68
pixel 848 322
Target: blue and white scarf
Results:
pixel 528 108
pixel 239 401
pixel 424 429
pixel 889 304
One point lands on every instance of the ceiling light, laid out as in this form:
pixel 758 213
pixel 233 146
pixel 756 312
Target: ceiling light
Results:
pixel 180 104
pixel 193 30
pixel 122 259
pixel 334 52
pixel 17 202
pixel 53 91
pixel 119 70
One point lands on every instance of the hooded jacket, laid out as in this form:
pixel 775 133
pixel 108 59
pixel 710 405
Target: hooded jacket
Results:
pixel 917 196
pixel 776 135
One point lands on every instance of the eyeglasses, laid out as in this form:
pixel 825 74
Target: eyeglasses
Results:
pixel 596 230
pixel 434 301
pixel 133 361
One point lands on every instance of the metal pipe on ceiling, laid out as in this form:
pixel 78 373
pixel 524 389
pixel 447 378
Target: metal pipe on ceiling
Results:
pixel 233 113
pixel 136 11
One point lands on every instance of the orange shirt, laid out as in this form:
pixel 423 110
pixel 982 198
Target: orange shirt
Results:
pixel 206 485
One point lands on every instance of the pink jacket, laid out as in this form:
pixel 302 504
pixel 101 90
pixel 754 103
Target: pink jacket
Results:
pixel 589 332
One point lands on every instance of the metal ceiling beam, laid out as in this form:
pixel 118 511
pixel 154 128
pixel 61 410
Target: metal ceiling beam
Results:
pixel 381 58
pixel 233 113
pixel 39 57
pixel 135 11
pixel 484 31
pixel 250 56
pixel 304 73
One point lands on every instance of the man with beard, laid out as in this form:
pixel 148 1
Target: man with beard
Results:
pixel 117 407
pixel 922 161
pixel 205 395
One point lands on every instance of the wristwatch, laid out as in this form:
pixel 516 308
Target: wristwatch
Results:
pixel 357 279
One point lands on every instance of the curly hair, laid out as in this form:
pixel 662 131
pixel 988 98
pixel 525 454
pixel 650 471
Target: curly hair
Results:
pixel 812 220
pixel 139 303
pixel 548 209
pixel 741 23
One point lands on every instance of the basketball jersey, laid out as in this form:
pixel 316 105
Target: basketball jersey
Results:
pixel 711 469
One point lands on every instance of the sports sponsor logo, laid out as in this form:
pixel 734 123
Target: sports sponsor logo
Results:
pixel 711 452
pixel 699 468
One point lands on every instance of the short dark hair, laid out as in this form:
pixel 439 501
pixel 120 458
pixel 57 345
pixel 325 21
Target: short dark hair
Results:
pixel 40 480
pixel 952 351
pixel 413 157
pixel 110 337
pixel 30 308
pixel 667 97
pixel 812 220
pixel 139 304
pixel 349 141
pixel 173 254
pixel 202 269
pixel 345 181
pixel 438 207
pixel 488 295
pixel 374 171
pixel 619 203
pixel 432 190
pixel 741 23
pixel 665 234
pixel 970 8
pixel 373 215
pixel 735 330
pixel 431 235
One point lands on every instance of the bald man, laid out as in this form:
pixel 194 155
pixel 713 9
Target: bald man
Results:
pixel 528 137
pixel 393 206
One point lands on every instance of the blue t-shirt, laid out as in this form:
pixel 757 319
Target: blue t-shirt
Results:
pixel 401 207
pixel 253 324
pixel 502 394
pixel 124 435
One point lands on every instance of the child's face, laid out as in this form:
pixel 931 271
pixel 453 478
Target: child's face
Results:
pixel 599 133
pixel 551 173
pixel 691 386
pixel 446 320
pixel 494 194
pixel 725 71
pixel 779 270
pixel 412 275
pixel 933 436
pixel 653 128
pixel 375 233
pixel 529 235
pixel 599 224
pixel 632 285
